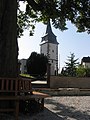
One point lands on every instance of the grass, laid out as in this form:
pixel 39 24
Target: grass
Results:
pixel 27 76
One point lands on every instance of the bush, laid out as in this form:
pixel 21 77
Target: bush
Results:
pixel 37 64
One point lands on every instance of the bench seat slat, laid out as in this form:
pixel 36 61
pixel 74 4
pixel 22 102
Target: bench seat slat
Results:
pixel 7 110
pixel 23 97
pixel 7 91
pixel 9 98
pixel 35 95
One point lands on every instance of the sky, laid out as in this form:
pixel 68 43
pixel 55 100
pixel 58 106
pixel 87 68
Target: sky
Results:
pixel 69 40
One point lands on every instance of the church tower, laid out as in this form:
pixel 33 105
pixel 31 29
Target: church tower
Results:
pixel 49 47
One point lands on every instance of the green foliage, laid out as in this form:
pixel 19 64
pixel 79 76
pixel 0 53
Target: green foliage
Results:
pixel 24 21
pixel 81 71
pixel 37 64
pixel 71 65
pixel 87 72
pixel 26 76
pixel 76 11
pixel 64 72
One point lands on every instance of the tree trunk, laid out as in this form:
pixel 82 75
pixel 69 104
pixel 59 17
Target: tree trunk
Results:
pixel 8 39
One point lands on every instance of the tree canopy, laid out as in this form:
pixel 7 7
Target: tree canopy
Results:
pixel 59 11
pixel 71 65
pixel 83 71
pixel 37 64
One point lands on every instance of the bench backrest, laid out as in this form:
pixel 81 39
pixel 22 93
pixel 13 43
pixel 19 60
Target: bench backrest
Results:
pixel 15 85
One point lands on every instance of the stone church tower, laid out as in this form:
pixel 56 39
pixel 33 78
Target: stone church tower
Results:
pixel 49 47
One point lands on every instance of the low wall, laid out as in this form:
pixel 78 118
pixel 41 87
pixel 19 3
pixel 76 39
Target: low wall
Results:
pixel 69 82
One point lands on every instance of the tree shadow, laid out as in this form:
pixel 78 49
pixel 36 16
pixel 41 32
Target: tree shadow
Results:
pixel 66 112
pixel 43 115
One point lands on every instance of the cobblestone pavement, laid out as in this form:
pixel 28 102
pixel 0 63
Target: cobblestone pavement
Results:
pixel 61 108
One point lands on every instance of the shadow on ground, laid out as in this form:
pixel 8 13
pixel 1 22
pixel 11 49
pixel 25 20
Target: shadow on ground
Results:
pixel 44 115
pixel 68 113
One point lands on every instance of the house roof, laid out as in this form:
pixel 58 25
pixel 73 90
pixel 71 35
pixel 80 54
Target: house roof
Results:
pixel 49 35
pixel 86 59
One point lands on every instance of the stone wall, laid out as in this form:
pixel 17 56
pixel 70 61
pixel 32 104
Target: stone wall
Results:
pixel 69 82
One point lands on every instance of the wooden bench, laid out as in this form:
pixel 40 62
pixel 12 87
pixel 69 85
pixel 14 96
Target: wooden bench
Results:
pixel 17 89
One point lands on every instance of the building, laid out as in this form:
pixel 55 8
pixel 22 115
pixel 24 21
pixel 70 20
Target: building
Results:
pixel 49 47
pixel 86 62
pixel 23 68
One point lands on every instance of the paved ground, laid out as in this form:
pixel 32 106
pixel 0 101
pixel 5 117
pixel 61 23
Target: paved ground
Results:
pixel 61 108
pixel 70 108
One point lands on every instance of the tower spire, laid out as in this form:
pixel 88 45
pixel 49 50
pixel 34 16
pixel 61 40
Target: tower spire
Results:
pixel 49 35
pixel 48 29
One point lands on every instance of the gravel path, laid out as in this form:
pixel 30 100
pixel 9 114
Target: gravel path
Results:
pixel 70 108
pixel 61 108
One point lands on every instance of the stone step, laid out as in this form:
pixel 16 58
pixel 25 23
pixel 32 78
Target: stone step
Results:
pixel 64 91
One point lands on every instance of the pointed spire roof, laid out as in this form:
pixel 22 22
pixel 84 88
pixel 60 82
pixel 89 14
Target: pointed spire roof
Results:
pixel 48 29
pixel 49 35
